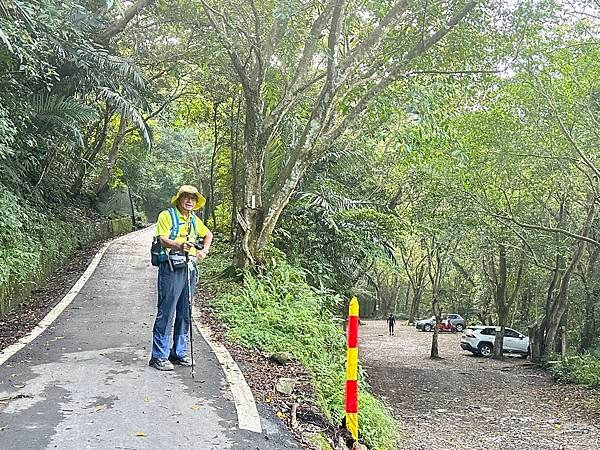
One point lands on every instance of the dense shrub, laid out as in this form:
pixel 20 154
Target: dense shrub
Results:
pixel 34 239
pixel 279 311
pixel 583 370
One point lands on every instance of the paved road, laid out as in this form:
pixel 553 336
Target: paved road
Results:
pixel 85 382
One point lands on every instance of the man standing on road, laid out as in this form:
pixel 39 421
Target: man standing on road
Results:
pixel 178 229
pixel 391 321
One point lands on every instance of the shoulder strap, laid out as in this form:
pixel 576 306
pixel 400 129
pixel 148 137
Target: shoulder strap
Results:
pixel 174 224
pixel 194 225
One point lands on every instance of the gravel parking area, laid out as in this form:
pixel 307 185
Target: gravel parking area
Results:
pixel 468 402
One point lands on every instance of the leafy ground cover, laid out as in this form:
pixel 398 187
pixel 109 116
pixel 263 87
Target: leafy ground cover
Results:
pixel 35 240
pixel 583 370
pixel 278 311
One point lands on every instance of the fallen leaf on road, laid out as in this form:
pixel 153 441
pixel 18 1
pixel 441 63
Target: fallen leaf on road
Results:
pixel 140 434
pixel 146 399
pixel 280 414
pixel 196 407
pixel 97 408
pixel 14 397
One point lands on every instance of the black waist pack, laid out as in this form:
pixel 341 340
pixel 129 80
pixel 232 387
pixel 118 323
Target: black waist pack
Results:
pixel 177 260
pixel 157 252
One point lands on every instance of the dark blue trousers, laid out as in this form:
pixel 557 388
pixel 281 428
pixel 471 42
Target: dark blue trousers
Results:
pixel 173 312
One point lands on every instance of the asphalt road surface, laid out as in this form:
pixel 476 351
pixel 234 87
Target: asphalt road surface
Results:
pixel 85 382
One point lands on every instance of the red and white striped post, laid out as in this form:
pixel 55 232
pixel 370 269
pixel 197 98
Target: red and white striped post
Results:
pixel 352 370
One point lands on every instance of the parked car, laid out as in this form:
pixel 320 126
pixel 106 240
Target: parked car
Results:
pixel 428 324
pixel 479 340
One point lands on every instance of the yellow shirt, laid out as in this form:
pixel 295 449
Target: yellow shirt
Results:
pixel 163 228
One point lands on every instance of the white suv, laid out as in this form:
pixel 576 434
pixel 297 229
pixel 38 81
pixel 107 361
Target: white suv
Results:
pixel 480 340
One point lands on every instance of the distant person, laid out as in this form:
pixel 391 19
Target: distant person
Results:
pixel 391 321
pixel 178 239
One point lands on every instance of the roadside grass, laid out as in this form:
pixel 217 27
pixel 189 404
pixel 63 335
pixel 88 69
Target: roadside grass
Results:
pixel 583 370
pixel 278 311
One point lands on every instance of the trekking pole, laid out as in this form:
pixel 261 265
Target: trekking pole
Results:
pixel 189 282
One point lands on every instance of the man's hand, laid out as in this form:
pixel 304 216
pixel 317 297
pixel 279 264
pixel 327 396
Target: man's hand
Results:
pixel 201 254
pixel 186 246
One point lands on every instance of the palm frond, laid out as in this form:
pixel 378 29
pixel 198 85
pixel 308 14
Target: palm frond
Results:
pixel 4 38
pixel 275 155
pixel 113 65
pixel 332 202
pixel 14 10
pixel 75 134
pixel 60 111
pixel 128 110
pixel 61 115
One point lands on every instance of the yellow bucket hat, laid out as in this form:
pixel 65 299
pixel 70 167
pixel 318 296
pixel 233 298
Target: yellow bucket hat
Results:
pixel 187 189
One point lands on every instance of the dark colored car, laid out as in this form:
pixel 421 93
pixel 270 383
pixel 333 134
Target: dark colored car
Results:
pixel 428 324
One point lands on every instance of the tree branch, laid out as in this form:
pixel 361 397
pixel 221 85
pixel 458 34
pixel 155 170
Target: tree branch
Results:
pixel 548 229
pixel 395 71
pixel 229 47
pixel 375 37
pixel 454 72
pixel 565 131
pixel 310 47
pixel 118 26
pixel 333 42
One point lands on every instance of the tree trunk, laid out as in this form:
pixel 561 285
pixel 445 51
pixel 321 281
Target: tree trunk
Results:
pixel 592 293
pixel 499 340
pixel 535 340
pixel 435 272
pixel 560 303
pixel 119 25
pixel 204 212
pixel 250 221
pixel 435 353
pixel 414 306
pixel 78 182
pixel 418 288
pixel 133 220
pixel 525 306
pixel 588 331
pixel 559 344
pixel 234 144
pixel 113 154
pixel 89 156
pixel 324 124
pixel 501 301
pixel 213 163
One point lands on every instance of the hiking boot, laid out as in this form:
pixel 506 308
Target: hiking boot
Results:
pixel 161 364
pixel 185 361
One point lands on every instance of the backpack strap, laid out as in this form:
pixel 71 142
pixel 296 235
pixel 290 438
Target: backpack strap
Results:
pixel 194 225
pixel 174 224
